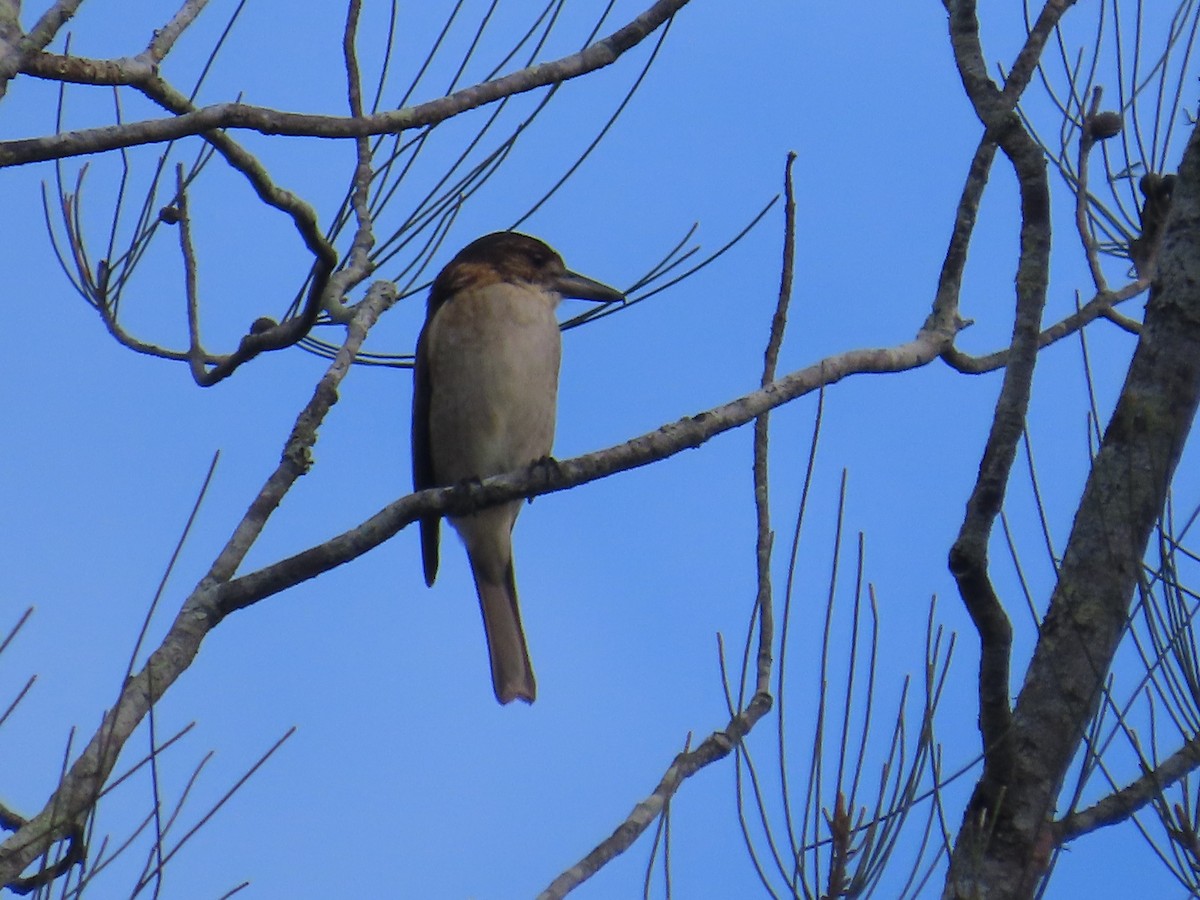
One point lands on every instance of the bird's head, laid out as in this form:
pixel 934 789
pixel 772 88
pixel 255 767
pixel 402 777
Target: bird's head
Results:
pixel 513 258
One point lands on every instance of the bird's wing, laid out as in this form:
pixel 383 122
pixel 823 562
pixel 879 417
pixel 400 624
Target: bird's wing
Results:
pixel 422 459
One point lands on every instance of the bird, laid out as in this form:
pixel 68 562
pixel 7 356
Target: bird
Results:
pixel 485 389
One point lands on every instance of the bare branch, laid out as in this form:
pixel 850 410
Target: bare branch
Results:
pixel 268 121
pixel 1088 136
pixel 164 38
pixel 1120 805
pixel 216 595
pixel 765 536
pixel 715 747
pixel 670 439
pixel 360 265
pixel 82 784
pixel 947 299
pixel 156 872
pixel 196 354
pixel 969 555
pixel 8 638
pixel 1099 307
pixel 1088 614
pixel 15 49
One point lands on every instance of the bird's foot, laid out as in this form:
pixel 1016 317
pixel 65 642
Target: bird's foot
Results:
pixel 470 488
pixel 547 467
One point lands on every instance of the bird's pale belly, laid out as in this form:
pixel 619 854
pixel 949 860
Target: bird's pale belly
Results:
pixel 498 411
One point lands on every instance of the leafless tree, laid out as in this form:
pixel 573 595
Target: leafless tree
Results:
pixel 1137 218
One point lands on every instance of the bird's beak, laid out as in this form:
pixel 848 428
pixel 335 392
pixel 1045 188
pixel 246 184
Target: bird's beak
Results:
pixel 580 287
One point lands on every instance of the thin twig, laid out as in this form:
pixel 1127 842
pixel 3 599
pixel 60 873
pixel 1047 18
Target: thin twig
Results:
pixel 719 744
pixel 80 786
pixel 269 121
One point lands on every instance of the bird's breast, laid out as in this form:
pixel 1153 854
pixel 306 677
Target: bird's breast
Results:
pixel 493 357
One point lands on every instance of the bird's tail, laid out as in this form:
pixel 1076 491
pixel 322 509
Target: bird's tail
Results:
pixel 512 673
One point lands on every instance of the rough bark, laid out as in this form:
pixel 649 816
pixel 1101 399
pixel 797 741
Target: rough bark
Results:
pixel 1006 840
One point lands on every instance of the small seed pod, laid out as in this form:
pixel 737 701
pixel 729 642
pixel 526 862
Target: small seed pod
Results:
pixel 1104 125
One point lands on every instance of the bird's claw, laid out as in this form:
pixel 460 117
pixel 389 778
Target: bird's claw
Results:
pixel 548 467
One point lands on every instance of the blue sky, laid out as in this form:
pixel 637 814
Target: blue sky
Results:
pixel 404 777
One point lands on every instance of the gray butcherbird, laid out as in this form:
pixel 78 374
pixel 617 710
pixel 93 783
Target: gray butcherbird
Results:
pixel 484 397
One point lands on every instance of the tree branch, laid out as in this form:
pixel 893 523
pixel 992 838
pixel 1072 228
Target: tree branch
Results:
pixel 269 121
pixel 946 301
pixel 359 264
pixel 164 38
pixel 969 555
pixel 1099 307
pixel 84 781
pixel 716 746
pixel 216 595
pixel 1089 608
pixel 684 434
pixel 1120 805
pixel 15 48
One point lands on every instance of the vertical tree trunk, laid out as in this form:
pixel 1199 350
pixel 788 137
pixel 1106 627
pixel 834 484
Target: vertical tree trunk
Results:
pixel 1004 842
